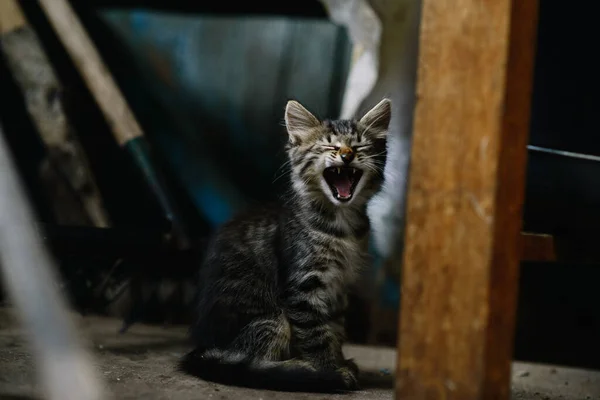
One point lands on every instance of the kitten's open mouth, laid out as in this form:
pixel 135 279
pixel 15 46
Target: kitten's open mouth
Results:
pixel 342 181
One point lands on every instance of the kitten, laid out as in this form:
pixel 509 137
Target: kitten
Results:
pixel 273 288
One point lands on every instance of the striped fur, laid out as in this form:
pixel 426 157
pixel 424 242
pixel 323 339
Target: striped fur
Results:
pixel 273 288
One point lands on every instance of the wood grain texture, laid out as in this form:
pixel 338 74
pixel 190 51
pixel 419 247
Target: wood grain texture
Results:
pixel 461 261
pixel 93 70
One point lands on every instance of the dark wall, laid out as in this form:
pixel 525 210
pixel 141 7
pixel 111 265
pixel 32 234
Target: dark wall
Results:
pixel 565 100
pixel 559 317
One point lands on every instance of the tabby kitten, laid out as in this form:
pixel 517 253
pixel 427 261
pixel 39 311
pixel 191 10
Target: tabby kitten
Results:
pixel 273 288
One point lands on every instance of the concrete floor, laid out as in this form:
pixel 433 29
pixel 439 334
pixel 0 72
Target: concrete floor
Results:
pixel 140 365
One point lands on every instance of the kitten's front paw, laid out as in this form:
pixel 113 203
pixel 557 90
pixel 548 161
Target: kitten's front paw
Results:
pixel 349 377
pixel 351 365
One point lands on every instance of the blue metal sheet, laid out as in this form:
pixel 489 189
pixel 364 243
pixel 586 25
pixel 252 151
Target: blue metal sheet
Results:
pixel 222 84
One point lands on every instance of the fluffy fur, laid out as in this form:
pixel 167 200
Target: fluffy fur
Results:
pixel 273 287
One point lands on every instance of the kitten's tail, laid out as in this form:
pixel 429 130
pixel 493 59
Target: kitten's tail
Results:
pixel 281 376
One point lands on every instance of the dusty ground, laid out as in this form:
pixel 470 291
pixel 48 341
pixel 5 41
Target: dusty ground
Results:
pixel 140 365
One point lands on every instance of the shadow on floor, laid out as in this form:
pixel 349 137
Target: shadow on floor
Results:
pixel 9 396
pixel 376 380
pixel 142 348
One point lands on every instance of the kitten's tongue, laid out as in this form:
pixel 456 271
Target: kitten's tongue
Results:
pixel 343 185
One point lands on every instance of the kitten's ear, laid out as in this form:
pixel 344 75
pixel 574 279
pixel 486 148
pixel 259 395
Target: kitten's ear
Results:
pixel 299 121
pixel 377 121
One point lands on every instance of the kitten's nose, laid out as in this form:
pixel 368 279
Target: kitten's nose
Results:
pixel 347 154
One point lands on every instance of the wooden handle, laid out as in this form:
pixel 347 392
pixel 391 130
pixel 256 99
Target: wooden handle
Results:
pixel 89 63
pixel 11 17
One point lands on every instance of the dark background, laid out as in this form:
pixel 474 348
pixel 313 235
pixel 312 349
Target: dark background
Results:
pixel 559 313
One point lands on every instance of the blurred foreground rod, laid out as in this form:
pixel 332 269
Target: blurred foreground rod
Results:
pixel 125 128
pixel 64 366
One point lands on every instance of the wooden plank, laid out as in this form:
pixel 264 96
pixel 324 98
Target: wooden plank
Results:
pixel 461 262
pixel 572 248
pixel 538 247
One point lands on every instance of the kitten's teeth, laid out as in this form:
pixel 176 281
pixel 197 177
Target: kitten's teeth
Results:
pixel 339 171
pixel 353 171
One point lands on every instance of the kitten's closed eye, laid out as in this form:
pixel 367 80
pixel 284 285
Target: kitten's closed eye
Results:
pixel 355 148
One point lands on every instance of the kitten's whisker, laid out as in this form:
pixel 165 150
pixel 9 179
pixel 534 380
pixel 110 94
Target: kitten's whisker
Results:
pixel 285 164
pixel 284 171
pixel 369 156
pixel 280 176
pixel 373 168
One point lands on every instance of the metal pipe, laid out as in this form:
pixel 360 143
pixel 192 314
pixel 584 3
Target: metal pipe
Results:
pixel 563 153
pixel 64 367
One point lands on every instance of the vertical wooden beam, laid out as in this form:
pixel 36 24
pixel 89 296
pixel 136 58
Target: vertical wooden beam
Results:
pixel 461 262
